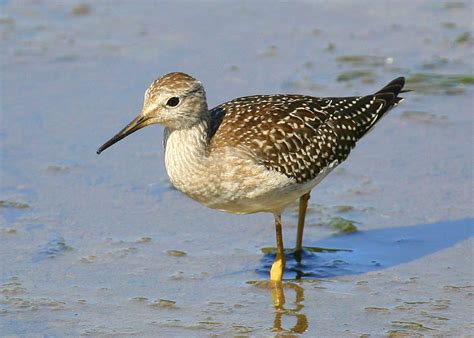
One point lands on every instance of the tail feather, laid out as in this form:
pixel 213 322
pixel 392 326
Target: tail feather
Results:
pixel 394 87
pixel 359 115
pixel 387 98
pixel 390 92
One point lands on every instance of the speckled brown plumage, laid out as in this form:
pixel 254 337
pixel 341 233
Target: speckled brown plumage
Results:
pixel 297 135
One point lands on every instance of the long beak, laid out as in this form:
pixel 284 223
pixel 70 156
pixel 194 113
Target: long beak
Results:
pixel 138 123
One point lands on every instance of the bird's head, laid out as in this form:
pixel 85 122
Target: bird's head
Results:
pixel 176 100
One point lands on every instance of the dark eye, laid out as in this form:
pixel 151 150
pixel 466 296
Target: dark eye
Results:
pixel 173 102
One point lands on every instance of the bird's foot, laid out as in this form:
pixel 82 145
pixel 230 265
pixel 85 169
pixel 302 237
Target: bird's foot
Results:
pixel 278 267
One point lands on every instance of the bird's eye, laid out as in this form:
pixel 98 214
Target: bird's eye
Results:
pixel 172 102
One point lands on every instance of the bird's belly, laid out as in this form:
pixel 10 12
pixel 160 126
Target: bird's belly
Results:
pixel 272 201
pixel 236 184
pixel 259 191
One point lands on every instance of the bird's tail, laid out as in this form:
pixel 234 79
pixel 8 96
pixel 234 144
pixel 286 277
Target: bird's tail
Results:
pixel 390 92
pixel 385 99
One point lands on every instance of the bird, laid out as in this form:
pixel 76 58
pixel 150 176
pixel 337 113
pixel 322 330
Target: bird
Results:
pixel 257 153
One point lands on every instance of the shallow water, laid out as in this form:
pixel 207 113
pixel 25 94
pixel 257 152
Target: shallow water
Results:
pixel 103 245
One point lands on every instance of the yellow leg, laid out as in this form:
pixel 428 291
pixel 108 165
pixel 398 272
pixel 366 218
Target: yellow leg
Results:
pixel 301 218
pixel 278 266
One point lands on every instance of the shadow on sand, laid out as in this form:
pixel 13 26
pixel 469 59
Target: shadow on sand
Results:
pixel 372 250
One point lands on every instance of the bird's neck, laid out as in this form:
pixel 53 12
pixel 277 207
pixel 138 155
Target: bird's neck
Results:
pixel 190 141
pixel 186 153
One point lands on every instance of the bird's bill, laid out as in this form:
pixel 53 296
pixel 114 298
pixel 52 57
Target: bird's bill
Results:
pixel 138 123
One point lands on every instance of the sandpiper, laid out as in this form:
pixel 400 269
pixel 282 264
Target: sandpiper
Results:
pixel 255 153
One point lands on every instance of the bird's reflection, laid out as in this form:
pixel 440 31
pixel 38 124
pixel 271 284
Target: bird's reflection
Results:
pixel 292 311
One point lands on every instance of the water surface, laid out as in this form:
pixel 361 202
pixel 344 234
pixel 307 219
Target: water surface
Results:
pixel 103 245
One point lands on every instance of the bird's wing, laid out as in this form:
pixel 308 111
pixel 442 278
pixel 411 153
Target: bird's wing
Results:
pixel 299 136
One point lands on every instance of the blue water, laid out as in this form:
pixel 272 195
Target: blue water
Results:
pixel 96 234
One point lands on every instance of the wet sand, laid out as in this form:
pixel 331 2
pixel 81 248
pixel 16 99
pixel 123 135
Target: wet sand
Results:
pixel 104 245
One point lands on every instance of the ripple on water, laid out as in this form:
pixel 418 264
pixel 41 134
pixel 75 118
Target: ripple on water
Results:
pixel 55 247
